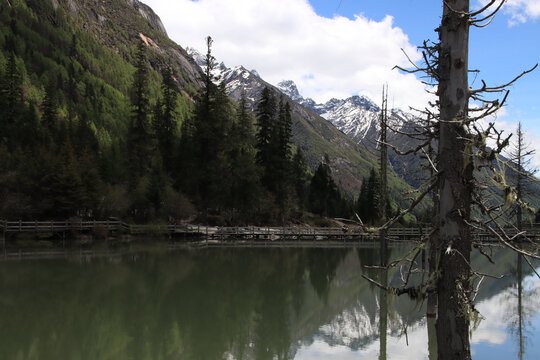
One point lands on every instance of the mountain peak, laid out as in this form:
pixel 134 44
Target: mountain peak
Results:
pixel 288 87
pixel 364 102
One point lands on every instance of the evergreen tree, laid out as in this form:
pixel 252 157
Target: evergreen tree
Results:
pixel 11 98
pixel 11 102
pixel 157 186
pixel 367 206
pixel 362 204
pixel 212 123
pixel 165 118
pixel 266 112
pixel 273 142
pixel 66 187
pixel 244 120
pixel 91 182
pixel 280 165
pixel 185 158
pixel 324 196
pixel 299 177
pixel 139 139
pixel 245 185
pixel 49 109
pixel 285 130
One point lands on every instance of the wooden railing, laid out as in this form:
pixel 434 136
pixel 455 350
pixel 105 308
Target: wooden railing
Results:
pixel 225 233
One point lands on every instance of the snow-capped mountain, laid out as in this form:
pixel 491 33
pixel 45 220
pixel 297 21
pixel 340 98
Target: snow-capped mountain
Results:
pixel 358 117
pixel 313 134
pixel 236 79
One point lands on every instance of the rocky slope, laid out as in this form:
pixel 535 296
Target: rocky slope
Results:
pixel 121 24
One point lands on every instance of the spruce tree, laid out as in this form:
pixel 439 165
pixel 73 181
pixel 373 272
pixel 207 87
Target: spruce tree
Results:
pixel 373 196
pixel 49 109
pixel 245 184
pixel 299 178
pixel 11 98
pixel 165 118
pixel 212 123
pixel 266 113
pixel 139 139
pixel 285 129
pixel 67 190
pixel 321 190
pixel 362 207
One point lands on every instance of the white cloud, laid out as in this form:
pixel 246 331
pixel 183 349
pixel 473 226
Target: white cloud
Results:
pixel 531 139
pixel 286 39
pixel 520 11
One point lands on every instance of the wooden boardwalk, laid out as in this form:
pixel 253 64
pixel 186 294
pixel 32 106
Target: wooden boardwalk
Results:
pixel 251 234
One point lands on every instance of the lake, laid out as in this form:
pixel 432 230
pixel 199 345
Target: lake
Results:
pixel 245 304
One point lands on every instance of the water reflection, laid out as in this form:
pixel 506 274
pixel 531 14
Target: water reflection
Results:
pixel 236 304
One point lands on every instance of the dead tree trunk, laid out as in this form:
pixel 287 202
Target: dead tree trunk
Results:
pixel 455 184
pixel 519 192
pixel 383 198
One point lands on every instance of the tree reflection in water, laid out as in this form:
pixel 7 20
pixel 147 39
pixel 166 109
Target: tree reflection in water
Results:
pixel 520 308
pixel 219 303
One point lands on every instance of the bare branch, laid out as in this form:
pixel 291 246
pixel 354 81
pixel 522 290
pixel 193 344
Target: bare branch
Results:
pixel 409 209
pixel 489 17
pixel 502 87
pixel 504 239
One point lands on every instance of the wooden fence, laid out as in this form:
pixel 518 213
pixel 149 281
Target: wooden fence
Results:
pixel 221 234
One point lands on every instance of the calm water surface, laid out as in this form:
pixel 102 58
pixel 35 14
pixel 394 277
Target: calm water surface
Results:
pixel 244 304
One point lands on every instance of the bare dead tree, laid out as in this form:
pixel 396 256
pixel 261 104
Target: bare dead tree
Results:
pixel 383 166
pixel 522 174
pixel 451 123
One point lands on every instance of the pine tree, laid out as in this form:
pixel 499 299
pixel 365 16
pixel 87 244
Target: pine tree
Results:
pixel 362 207
pixel 322 191
pixel 373 196
pixel 212 124
pixel 185 162
pixel 165 119
pixel 11 98
pixel 280 165
pixel 66 188
pixel 244 129
pixel 367 206
pixel 299 175
pixel 266 113
pixel 245 189
pixel 139 139
pixel 49 118
pixel 285 129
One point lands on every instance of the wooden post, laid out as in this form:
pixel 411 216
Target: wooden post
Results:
pixel 4 229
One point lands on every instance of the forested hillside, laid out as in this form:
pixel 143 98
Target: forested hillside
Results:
pixel 65 113
pixel 91 126
pixel 102 115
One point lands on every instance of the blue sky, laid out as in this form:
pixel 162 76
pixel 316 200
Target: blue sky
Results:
pixel 500 51
pixel 339 48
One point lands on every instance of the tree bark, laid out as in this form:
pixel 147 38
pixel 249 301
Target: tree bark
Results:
pixel 519 199
pixel 455 185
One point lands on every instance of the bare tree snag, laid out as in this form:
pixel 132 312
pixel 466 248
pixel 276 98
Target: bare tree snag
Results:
pixel 455 184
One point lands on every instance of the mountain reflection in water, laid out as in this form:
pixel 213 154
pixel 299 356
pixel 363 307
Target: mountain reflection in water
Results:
pixel 244 304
